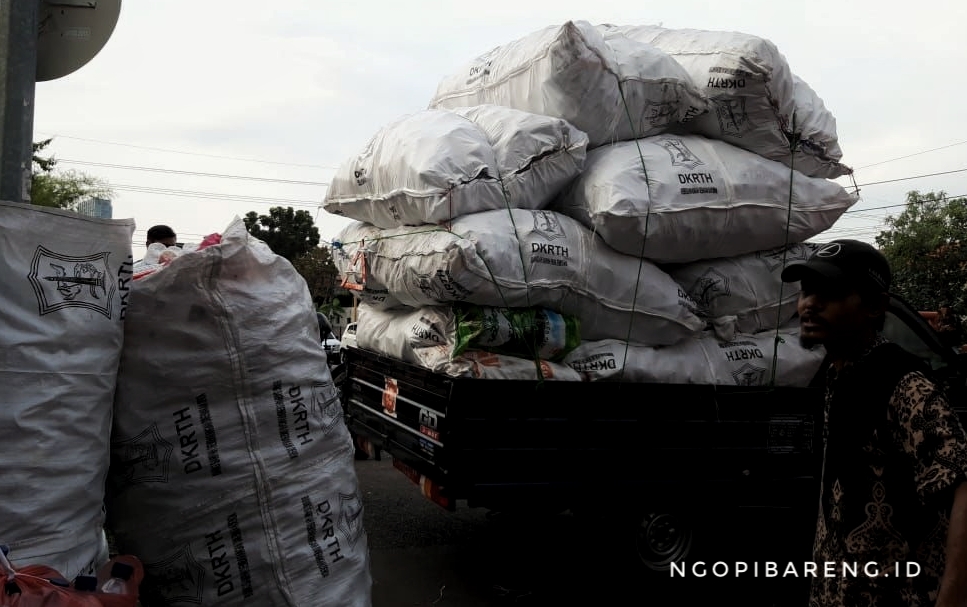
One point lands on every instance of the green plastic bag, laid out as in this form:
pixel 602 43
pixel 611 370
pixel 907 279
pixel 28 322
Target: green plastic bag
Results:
pixel 523 332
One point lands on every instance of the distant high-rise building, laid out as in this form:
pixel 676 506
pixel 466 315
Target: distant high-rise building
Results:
pixel 95 207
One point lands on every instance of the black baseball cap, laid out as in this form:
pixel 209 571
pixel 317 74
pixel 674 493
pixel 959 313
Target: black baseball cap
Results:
pixel 847 263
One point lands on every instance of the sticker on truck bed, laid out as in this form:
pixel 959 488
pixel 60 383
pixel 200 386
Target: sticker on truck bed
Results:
pixel 390 391
pixel 790 434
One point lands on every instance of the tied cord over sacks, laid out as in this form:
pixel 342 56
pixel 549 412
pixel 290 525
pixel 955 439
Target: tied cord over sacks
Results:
pixel 517 323
pixel 794 143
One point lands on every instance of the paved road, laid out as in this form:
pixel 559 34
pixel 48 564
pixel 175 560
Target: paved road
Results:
pixel 423 555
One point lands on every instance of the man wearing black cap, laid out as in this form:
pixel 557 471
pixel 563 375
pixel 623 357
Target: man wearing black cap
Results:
pixel 893 502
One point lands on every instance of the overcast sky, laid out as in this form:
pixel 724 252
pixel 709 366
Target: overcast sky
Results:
pixel 289 89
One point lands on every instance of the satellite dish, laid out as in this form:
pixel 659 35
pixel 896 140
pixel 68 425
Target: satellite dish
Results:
pixel 71 33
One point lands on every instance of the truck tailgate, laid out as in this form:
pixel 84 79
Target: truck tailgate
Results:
pixel 487 440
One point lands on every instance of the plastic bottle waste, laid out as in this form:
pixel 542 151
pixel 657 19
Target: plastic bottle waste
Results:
pixel 118 583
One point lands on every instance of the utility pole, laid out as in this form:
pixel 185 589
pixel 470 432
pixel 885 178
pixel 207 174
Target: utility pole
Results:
pixel 18 73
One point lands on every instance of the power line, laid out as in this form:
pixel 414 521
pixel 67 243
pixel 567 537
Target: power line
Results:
pixel 156 149
pixel 894 206
pixel 179 172
pixel 911 155
pixel 215 196
pixel 912 177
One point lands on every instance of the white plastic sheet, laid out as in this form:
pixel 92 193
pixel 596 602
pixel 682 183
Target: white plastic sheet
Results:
pixel 682 198
pixel 757 102
pixel 435 165
pixel 746 360
pixel 66 279
pixel 426 337
pixel 748 287
pixel 232 476
pixel 519 259
pixel 612 90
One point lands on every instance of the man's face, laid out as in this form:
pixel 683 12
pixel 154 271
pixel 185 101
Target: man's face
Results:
pixel 168 242
pixel 830 313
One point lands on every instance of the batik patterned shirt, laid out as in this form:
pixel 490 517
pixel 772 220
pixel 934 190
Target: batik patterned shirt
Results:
pixel 885 511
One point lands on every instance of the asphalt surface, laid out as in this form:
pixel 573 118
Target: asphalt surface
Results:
pixel 425 555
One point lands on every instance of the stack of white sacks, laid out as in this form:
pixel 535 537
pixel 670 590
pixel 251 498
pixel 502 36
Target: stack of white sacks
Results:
pixel 648 183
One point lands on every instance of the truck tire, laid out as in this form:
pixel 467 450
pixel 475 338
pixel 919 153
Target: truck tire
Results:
pixel 663 538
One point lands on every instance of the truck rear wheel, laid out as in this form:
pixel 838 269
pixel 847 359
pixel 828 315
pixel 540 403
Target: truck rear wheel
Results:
pixel 662 539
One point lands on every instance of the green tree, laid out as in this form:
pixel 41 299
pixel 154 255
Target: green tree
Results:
pixel 926 245
pixel 61 189
pixel 288 233
pixel 333 310
pixel 321 275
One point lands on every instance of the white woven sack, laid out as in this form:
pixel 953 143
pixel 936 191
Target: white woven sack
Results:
pixel 747 287
pixel 746 360
pixel 756 101
pixel 426 337
pixel 65 281
pixel 613 91
pixel 229 438
pixel 702 199
pixel 520 259
pixel 435 165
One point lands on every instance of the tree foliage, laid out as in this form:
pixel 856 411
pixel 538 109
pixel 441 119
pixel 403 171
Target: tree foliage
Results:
pixel 287 232
pixel 293 235
pixel 926 245
pixel 61 189
pixel 321 276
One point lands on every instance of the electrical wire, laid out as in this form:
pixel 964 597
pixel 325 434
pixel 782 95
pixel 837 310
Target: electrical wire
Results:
pixel 156 149
pixel 193 173
pixel 911 155
pixel 215 196
pixel 912 177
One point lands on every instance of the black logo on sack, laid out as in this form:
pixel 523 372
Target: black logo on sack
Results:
pixel 749 375
pixel 144 458
pixel 63 281
pixel 732 115
pixel 326 405
pixel 479 71
pixel 774 258
pixel 660 114
pixel 178 578
pixel 680 155
pixel 441 287
pixel 351 521
pixel 708 287
pixel 548 225
pixel 430 288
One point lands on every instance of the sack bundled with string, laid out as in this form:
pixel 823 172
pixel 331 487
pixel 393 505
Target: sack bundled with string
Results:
pixel 519 259
pixel 748 287
pixel 435 165
pixel 746 360
pixel 229 438
pixel 612 90
pixel 63 305
pixel 757 103
pixel 682 198
pixel 458 340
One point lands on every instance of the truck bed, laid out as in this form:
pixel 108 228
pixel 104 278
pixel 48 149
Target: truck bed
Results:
pixel 497 443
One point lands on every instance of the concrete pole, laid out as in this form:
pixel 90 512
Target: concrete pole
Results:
pixel 18 77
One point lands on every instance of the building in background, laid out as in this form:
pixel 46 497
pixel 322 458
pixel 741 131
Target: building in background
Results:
pixel 95 207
